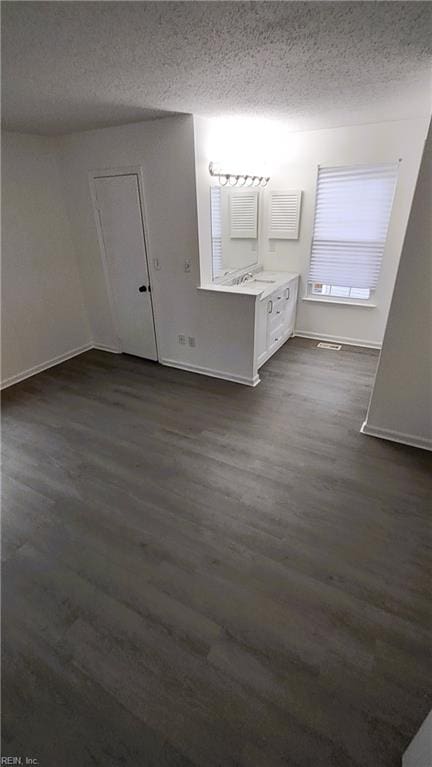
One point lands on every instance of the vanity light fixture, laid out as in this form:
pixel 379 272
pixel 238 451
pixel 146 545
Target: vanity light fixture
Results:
pixel 237 179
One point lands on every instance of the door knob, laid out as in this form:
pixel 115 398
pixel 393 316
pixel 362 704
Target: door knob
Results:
pixel 143 289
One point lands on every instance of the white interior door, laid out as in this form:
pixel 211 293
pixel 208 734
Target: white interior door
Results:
pixel 119 209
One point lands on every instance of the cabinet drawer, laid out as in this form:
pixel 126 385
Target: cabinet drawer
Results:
pixel 276 336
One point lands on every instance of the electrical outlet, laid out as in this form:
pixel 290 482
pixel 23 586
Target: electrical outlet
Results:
pixel 272 246
pixel 191 340
pixel 182 340
pixel 187 265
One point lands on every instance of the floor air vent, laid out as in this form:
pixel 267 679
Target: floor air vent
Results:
pixel 334 347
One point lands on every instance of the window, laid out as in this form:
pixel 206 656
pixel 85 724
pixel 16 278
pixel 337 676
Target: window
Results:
pixel 352 214
pixel 338 291
pixel 216 229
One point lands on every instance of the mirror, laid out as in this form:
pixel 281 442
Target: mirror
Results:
pixel 234 229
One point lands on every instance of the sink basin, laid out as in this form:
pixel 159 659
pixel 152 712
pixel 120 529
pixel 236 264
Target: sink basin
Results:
pixel 248 283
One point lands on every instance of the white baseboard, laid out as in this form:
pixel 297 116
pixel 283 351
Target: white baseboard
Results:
pixel 45 365
pixel 396 436
pixel 338 339
pixel 103 347
pixel 106 348
pixel 211 372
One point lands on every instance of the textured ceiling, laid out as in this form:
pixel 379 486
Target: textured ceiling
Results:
pixel 79 65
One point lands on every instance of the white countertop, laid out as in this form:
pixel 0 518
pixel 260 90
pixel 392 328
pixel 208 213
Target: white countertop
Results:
pixel 250 288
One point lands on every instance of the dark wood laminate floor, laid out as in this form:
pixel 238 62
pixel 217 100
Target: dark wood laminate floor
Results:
pixel 199 573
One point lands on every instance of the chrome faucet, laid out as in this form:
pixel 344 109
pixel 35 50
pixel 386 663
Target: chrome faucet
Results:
pixel 246 277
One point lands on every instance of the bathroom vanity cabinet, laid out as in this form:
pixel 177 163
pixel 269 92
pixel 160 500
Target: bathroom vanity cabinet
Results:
pixel 269 303
pixel 275 317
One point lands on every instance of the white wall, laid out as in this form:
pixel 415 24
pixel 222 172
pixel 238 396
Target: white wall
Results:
pixel 291 159
pixel 165 151
pixel 363 144
pixel 419 751
pixel 401 402
pixel 43 314
pixel 49 319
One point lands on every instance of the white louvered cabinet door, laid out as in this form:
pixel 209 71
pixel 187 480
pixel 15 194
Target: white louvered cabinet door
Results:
pixel 284 214
pixel 244 213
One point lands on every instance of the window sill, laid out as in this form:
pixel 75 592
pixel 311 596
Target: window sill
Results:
pixel 339 301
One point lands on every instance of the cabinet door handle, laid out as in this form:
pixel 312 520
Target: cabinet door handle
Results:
pixel 270 306
pixel 278 311
pixel 287 294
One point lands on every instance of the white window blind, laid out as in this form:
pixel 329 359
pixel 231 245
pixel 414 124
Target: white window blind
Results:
pixel 243 213
pixel 353 206
pixel 216 228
